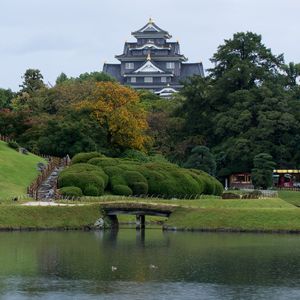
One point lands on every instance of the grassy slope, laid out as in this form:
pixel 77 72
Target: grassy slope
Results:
pixel 37 217
pixel 17 171
pixel 291 197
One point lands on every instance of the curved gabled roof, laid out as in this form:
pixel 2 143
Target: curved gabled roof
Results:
pixel 149 29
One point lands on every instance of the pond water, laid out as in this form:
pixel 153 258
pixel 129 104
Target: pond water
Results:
pixel 153 265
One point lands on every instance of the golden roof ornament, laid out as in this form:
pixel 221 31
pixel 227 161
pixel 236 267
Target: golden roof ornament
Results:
pixel 150 21
pixel 149 56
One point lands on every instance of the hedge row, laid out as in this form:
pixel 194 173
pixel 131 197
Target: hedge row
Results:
pixel 93 173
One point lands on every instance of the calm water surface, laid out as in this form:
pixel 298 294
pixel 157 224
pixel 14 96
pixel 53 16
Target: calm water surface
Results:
pixel 77 265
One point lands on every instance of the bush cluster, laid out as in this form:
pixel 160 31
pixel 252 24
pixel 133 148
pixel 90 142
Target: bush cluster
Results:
pixel 14 145
pixel 71 191
pixel 94 173
pixel 85 157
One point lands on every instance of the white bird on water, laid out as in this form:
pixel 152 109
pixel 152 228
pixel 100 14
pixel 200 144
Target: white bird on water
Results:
pixel 113 268
pixel 153 267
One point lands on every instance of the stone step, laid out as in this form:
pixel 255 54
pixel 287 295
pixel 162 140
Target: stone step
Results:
pixel 47 188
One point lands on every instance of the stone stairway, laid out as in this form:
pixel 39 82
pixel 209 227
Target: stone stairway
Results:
pixel 47 190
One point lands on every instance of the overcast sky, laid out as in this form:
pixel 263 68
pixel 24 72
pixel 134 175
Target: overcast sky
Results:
pixel 76 36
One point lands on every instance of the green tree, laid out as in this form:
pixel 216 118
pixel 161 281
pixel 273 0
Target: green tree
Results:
pixel 32 81
pixel 244 62
pixel 243 107
pixel 61 78
pixel 95 76
pixel 262 171
pixel 292 71
pixel 201 158
pixel 6 96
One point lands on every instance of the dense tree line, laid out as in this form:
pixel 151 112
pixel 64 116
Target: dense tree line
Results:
pixel 247 105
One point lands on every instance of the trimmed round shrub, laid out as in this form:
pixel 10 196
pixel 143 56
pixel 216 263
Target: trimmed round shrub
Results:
pixel 123 176
pixel 71 191
pixel 139 188
pixel 123 190
pixel 132 177
pixel 85 168
pixel 218 188
pixel 103 161
pixel 81 180
pixel 84 157
pixel 92 190
pixel 112 171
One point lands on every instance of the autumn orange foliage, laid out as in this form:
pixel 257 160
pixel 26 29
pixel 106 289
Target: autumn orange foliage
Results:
pixel 117 108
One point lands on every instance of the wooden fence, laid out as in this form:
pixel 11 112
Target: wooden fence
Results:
pixel 54 162
pixel 5 139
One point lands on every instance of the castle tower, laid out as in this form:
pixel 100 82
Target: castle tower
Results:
pixel 153 62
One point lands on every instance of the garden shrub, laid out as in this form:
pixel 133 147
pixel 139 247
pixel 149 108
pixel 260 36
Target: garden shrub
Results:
pixel 139 188
pixel 86 168
pixel 123 190
pixel 218 188
pixel 81 180
pixel 123 176
pixel 229 195
pixel 256 194
pixel 132 177
pixel 85 157
pixel 71 191
pixel 103 161
pixel 92 190
pixel 117 180
pixel 112 171
pixel 14 145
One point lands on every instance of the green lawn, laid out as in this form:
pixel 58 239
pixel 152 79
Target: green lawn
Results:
pixel 292 197
pixel 214 213
pixel 254 219
pixel 17 171
pixel 55 217
pixel 203 202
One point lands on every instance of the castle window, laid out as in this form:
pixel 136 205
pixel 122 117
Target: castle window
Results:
pixel 163 79
pixel 148 79
pixel 170 65
pixel 133 79
pixel 129 65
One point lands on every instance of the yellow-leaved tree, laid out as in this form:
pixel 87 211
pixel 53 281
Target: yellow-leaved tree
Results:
pixel 117 109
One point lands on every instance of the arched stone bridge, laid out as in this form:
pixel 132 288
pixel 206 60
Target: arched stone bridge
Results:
pixel 139 209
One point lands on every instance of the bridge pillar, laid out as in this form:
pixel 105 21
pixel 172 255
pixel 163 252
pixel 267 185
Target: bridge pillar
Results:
pixel 114 223
pixel 142 218
pixel 140 222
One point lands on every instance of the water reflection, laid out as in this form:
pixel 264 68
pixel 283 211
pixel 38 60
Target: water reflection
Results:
pixel 210 265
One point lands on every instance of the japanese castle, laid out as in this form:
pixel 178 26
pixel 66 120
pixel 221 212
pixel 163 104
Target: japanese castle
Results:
pixel 152 62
